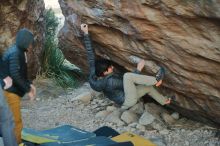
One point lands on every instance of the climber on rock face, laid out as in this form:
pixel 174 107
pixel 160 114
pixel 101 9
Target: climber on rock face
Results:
pixel 125 90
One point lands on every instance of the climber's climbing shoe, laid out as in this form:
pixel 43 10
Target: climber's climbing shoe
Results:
pixel 159 76
pixel 171 100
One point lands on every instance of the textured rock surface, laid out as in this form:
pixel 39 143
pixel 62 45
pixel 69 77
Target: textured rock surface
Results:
pixel 146 118
pixel 16 14
pixel 181 35
pixel 114 117
pixel 129 117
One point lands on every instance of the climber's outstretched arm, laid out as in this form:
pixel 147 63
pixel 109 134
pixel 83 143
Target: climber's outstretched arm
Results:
pixel 96 84
pixel 89 48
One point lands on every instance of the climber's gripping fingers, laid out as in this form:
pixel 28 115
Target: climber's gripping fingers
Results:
pixel 84 28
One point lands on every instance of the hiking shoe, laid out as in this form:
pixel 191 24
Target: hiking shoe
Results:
pixel 174 101
pixel 170 100
pixel 160 74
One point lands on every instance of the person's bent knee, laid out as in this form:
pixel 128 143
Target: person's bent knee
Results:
pixel 128 75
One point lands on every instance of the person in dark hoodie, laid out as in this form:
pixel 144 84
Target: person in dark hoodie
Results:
pixel 124 90
pixel 6 118
pixel 15 59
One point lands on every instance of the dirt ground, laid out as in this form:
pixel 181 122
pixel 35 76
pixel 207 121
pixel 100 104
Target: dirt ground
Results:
pixel 55 106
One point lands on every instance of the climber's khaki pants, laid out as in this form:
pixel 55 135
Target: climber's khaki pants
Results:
pixel 136 86
pixel 15 106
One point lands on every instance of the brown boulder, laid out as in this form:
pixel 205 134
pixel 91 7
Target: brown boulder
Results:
pixel 183 36
pixel 16 14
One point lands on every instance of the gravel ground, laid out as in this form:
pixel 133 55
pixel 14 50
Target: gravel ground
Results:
pixel 48 112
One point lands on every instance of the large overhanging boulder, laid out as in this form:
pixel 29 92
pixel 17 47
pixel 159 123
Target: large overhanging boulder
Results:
pixel 181 35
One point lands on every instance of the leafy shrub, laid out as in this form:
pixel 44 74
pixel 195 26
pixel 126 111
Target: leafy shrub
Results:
pixel 53 58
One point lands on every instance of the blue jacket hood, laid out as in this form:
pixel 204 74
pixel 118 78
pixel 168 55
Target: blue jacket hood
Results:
pixel 24 38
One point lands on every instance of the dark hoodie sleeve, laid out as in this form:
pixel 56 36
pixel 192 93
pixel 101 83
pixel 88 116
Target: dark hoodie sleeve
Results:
pixel 14 67
pixel 3 74
pixel 90 54
pixel 96 84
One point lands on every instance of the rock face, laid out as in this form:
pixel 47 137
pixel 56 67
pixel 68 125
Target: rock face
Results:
pixel 183 36
pixel 16 14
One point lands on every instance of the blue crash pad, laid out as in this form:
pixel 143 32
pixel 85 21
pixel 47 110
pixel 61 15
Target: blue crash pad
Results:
pixel 62 134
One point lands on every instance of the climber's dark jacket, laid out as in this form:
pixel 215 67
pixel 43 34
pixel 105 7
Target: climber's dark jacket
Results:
pixel 111 85
pixel 16 62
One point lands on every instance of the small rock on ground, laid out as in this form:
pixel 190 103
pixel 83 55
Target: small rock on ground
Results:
pixel 146 118
pixel 129 117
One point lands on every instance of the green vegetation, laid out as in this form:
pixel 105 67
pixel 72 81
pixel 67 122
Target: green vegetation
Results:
pixel 53 60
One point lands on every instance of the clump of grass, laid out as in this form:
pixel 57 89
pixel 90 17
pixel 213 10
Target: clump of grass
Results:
pixel 53 58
